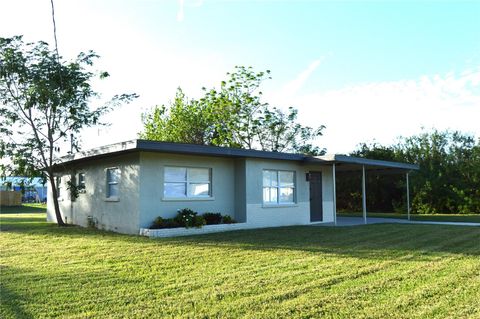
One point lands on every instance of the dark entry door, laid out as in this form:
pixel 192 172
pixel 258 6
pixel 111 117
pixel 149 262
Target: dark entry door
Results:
pixel 316 207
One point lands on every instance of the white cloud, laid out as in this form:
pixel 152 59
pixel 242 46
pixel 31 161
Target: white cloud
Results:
pixel 295 85
pixel 385 110
pixel 291 89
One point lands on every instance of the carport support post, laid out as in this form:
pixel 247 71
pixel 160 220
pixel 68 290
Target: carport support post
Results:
pixel 334 196
pixel 364 196
pixel 408 199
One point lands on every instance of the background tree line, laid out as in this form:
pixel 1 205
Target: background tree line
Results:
pixel 448 180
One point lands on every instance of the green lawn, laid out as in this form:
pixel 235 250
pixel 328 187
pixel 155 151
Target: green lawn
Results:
pixel 373 271
pixel 25 208
pixel 469 218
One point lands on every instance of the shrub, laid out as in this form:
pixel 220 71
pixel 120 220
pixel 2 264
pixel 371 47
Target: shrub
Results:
pixel 212 218
pixel 170 223
pixel 157 222
pixel 160 223
pixel 227 219
pixel 198 221
pixel 186 217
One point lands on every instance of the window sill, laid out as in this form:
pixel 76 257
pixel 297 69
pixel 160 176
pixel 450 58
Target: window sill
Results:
pixel 279 205
pixel 112 199
pixel 187 199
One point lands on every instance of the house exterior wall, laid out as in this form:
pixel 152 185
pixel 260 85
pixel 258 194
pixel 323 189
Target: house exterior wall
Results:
pixel 154 204
pixel 120 215
pixel 258 213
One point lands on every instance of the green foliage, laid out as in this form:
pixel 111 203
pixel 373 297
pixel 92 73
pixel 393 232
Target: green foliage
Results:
pixel 160 223
pixel 449 176
pixel 448 180
pixel 212 218
pixel 198 221
pixel 43 100
pixel 188 218
pixel 74 190
pixel 227 219
pixel 232 116
pixel 185 121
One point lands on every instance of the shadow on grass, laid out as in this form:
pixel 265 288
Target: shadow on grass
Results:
pixel 370 241
pixel 12 303
pixel 36 224
pixel 366 241
pixel 24 209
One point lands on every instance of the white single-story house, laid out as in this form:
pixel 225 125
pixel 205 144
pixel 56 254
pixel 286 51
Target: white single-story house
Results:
pixel 125 186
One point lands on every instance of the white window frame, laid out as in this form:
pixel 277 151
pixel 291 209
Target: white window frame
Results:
pixel 188 183
pixel 279 187
pixel 108 197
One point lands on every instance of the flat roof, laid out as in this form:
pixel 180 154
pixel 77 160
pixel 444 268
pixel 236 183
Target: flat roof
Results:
pixel 140 145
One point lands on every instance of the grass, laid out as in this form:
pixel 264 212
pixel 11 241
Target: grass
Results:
pixel 373 271
pixel 25 208
pixel 468 218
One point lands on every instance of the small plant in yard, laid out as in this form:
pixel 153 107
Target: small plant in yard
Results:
pixel 188 218
pixel 160 223
pixel 227 219
pixel 198 221
pixel 212 218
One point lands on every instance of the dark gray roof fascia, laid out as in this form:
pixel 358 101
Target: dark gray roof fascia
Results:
pixel 206 150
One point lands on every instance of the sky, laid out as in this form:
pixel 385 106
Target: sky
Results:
pixel 370 71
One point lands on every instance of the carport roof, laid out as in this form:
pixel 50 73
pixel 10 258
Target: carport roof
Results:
pixel 345 162
pixel 140 145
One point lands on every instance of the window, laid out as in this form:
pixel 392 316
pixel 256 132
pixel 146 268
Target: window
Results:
pixel 81 182
pixel 278 187
pixel 59 188
pixel 113 177
pixel 187 182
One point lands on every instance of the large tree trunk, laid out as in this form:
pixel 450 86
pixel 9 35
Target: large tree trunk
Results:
pixel 53 185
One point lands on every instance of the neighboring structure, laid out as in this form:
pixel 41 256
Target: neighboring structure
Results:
pixel 32 189
pixel 125 186
pixel 10 198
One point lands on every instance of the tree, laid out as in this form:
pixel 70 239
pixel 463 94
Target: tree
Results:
pixel 184 121
pixel 448 180
pixel 232 116
pixel 43 100
pixel 449 176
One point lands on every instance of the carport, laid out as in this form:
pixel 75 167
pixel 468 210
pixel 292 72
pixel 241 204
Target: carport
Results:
pixel 343 163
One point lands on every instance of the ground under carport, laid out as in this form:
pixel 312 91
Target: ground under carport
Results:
pixel 355 221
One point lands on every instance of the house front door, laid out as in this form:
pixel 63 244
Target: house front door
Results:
pixel 316 207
